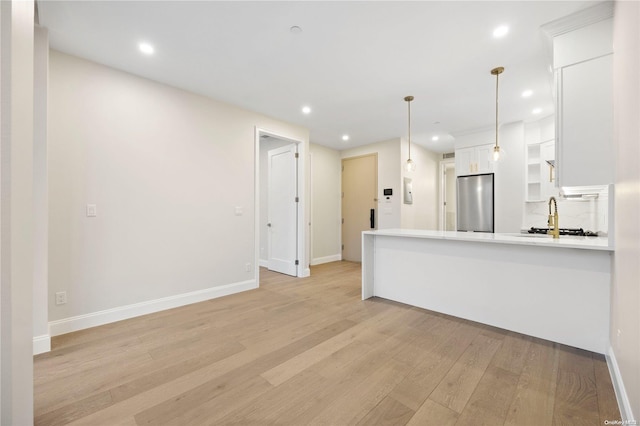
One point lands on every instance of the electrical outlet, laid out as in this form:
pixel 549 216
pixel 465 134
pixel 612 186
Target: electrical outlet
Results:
pixel 247 267
pixel 61 298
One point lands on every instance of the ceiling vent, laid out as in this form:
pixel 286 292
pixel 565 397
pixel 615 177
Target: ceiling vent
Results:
pixel 448 155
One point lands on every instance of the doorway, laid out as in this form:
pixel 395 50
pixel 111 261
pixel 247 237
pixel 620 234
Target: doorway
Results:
pixel 359 202
pixel 279 209
pixel 448 195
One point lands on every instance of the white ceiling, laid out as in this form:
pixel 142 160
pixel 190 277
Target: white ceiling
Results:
pixel 353 62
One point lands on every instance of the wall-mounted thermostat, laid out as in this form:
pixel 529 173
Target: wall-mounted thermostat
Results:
pixel 388 191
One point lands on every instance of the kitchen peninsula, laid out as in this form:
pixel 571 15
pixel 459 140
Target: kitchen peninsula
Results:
pixel 554 289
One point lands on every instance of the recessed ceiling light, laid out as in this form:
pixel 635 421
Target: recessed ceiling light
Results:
pixel 306 110
pixel 345 137
pixel 537 110
pixel 527 93
pixel 146 48
pixel 295 29
pixel 501 31
pixel 435 138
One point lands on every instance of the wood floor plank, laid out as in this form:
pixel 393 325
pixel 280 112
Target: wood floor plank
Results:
pixel 490 402
pixel 576 396
pixel 607 403
pixel 534 397
pixel 177 406
pixel 281 403
pixel 295 365
pixel 76 410
pixel 414 389
pixel 173 371
pixel 354 406
pixel 433 414
pixel 210 412
pixel 55 394
pixel 512 353
pixel 331 359
pixel 352 376
pixel 388 412
pixel 457 386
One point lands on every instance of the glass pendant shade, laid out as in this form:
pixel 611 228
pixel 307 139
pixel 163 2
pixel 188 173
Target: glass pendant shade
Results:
pixel 410 166
pixel 497 154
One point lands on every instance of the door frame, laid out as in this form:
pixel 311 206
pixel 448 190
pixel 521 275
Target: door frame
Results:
pixel 444 165
pixel 302 269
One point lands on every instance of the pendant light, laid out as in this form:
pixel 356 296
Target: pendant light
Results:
pixel 498 153
pixel 409 166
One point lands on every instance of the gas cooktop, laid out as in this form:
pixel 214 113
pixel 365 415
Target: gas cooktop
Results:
pixel 564 231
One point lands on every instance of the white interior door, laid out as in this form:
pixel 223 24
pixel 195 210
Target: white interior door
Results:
pixel 282 209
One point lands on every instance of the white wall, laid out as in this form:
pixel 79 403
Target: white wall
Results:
pixel 540 131
pixel 265 147
pixel 450 196
pixel 423 213
pixel 41 338
pixel 389 176
pixel 509 180
pixel 625 306
pixel 326 212
pixel 166 169
pixel 467 140
pixel 16 211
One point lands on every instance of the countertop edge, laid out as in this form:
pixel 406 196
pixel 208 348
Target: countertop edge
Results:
pixel 497 238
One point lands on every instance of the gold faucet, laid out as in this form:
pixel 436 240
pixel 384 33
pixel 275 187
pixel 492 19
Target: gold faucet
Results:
pixel 553 219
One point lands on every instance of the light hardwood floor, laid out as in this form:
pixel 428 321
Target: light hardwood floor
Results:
pixel 309 351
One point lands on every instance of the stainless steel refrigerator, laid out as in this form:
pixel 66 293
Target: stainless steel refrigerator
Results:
pixel 474 196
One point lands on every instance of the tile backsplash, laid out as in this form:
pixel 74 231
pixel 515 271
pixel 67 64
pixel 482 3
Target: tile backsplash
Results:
pixel 590 214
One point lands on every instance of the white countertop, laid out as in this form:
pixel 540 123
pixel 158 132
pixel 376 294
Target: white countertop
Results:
pixel 565 241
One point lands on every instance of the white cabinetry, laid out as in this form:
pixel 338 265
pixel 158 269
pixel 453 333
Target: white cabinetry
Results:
pixel 583 62
pixel 474 160
pixel 585 123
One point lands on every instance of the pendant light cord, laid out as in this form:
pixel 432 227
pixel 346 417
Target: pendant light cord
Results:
pixel 497 71
pixel 497 77
pixel 408 99
pixel 409 102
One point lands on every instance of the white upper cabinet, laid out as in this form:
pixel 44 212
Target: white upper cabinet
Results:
pixel 585 123
pixel 474 160
pixel 583 62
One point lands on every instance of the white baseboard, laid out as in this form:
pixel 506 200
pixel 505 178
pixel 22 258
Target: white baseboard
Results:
pixel 618 386
pixel 41 344
pixel 94 319
pixel 264 263
pixel 306 273
pixel 326 259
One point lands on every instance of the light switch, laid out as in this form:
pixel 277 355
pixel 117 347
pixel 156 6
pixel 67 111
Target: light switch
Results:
pixel 239 211
pixel 92 210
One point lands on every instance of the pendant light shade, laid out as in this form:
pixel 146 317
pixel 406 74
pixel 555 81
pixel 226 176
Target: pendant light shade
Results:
pixel 498 153
pixel 409 166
